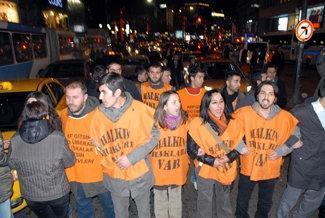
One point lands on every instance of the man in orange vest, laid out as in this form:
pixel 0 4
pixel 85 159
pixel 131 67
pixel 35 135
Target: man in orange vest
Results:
pixel 124 133
pixel 191 96
pixel 86 176
pixel 151 90
pixel 266 129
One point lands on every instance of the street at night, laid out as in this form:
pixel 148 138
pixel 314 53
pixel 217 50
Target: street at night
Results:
pixel 162 108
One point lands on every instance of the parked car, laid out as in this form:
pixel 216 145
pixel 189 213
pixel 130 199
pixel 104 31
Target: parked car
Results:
pixel 12 98
pixel 216 70
pixel 66 70
pixel 130 63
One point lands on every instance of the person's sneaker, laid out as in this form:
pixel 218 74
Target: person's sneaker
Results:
pixel 195 185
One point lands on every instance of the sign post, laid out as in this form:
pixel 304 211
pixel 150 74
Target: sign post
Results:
pixel 303 32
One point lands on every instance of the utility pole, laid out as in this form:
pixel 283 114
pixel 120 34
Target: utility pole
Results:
pixel 296 90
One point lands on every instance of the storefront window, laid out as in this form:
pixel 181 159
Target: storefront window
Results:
pixel 39 46
pixel 55 19
pixel 5 50
pixel 8 12
pixel 22 46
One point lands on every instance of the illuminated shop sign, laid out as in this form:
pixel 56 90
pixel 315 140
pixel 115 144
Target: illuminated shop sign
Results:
pixel 57 3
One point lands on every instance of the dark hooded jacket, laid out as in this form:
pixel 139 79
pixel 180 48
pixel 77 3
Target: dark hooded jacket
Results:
pixel 307 166
pixel 40 157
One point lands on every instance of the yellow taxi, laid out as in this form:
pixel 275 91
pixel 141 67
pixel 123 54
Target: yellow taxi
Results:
pixel 12 98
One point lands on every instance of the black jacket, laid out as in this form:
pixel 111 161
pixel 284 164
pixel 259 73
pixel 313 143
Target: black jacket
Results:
pixel 282 95
pixel 307 167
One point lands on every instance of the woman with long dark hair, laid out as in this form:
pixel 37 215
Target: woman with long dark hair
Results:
pixel 215 176
pixel 169 159
pixel 53 115
pixel 40 155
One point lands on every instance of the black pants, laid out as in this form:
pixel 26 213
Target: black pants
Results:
pixel 265 193
pixel 51 209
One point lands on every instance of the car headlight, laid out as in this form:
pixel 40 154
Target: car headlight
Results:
pixel 248 88
pixel 208 88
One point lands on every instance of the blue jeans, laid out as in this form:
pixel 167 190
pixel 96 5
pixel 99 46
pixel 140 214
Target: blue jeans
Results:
pixel 85 207
pixel 5 210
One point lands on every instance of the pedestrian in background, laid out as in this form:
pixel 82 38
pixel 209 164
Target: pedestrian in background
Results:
pixel 40 155
pixel 169 158
pixel 204 145
pixel 5 178
pixel 129 85
pixel 151 90
pixel 86 175
pixel 271 75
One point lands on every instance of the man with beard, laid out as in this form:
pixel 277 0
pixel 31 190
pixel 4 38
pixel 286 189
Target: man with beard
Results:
pixel 265 128
pixel 231 93
pixel 86 176
pixel 151 90
pixel 129 85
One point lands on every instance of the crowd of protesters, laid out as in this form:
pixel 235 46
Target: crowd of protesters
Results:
pixel 119 139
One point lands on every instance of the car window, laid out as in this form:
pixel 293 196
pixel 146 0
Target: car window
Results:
pixel 218 70
pixel 57 90
pixel 11 106
pixel 215 70
pixel 67 70
pixel 47 92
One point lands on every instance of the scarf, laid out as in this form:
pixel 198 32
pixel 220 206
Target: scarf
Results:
pixel 172 121
pixel 220 122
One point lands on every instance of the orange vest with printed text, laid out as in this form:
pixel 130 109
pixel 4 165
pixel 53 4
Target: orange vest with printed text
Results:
pixel 191 102
pixel 132 130
pixel 87 168
pixel 225 174
pixel 169 159
pixel 262 136
pixel 150 96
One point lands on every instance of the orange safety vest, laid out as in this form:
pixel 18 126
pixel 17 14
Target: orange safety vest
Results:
pixel 262 137
pixel 191 102
pixel 225 174
pixel 150 96
pixel 87 168
pixel 169 159
pixel 122 137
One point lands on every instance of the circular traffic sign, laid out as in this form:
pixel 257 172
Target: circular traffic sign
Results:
pixel 304 30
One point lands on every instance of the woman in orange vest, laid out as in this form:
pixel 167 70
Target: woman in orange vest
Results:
pixel 169 159
pixel 204 145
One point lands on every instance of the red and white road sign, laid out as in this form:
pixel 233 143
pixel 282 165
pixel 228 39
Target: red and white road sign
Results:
pixel 304 30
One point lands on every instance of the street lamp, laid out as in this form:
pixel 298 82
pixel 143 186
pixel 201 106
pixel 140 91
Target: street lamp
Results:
pixel 149 1
pixel 100 25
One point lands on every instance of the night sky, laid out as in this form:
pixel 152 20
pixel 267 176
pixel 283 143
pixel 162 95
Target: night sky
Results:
pixel 99 11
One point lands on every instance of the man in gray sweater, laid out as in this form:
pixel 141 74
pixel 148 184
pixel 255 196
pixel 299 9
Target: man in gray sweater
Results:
pixel 123 131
